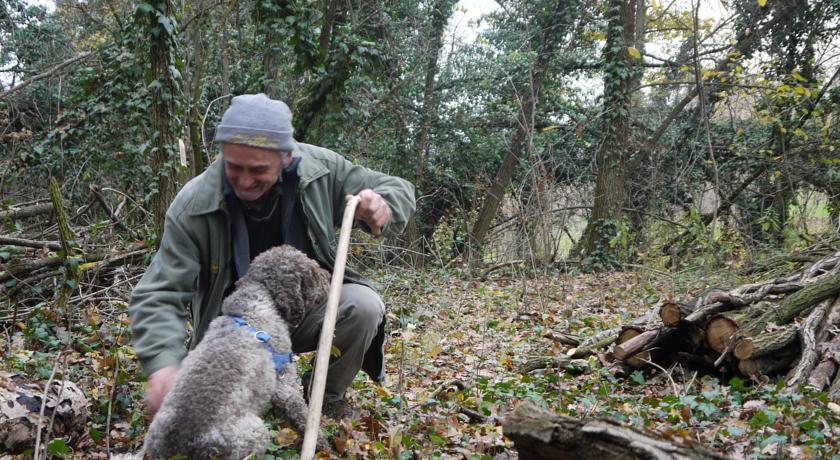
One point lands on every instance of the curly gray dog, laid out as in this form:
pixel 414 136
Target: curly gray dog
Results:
pixel 214 408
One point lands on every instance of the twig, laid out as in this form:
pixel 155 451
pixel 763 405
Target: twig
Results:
pixel 667 374
pixel 114 218
pixel 499 266
pixel 37 453
pixel 204 118
pixel 443 386
pixel 111 397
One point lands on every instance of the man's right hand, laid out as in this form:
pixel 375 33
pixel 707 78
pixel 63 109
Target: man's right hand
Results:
pixel 160 382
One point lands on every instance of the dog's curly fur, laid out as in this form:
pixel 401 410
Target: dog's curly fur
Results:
pixel 224 385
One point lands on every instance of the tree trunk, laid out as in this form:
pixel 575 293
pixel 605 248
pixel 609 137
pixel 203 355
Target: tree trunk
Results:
pixel 614 151
pixel 194 88
pixel 540 434
pixel 161 33
pixel 442 9
pixel 551 34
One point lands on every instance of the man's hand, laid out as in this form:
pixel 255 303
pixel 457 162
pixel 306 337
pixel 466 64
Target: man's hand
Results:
pixel 160 382
pixel 373 210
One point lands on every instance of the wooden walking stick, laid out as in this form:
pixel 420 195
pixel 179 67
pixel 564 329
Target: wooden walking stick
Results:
pixel 322 357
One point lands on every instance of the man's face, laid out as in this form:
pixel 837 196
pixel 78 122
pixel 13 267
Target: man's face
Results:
pixel 252 171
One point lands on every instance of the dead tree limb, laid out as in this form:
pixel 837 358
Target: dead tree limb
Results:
pixel 52 245
pixel 540 434
pixel 809 337
pixel 28 211
pixel 46 74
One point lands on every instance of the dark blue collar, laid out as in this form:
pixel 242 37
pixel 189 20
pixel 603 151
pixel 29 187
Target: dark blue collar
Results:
pixel 280 361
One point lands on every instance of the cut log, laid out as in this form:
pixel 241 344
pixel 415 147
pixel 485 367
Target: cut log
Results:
pixel 722 327
pixel 825 371
pixel 814 330
pixel 631 346
pixel 20 409
pixel 765 343
pixel 799 302
pixel 771 364
pixel 540 434
pixel 672 313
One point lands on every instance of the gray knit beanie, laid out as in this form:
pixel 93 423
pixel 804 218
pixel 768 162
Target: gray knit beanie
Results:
pixel 256 120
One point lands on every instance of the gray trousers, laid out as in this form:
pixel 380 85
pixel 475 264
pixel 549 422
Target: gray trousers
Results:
pixel 360 311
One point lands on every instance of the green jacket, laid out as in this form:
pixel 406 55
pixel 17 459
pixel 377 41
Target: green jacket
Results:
pixel 189 274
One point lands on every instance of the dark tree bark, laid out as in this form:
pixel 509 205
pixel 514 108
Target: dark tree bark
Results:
pixel 621 76
pixel 161 32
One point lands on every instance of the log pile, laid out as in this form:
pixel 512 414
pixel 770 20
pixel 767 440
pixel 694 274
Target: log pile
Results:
pixel 788 325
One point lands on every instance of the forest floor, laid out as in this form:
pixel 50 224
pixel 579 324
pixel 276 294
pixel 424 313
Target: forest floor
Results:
pixel 455 352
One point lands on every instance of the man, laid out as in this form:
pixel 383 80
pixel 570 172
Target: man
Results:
pixel 266 190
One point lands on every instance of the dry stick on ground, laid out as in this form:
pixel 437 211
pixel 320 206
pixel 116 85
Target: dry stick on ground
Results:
pixel 106 258
pixel 44 398
pixel 572 366
pixel 592 344
pixel 540 434
pixel 52 245
pixel 440 389
pixel 810 337
pixel 29 211
pixel 29 267
pixel 564 338
pixel 111 395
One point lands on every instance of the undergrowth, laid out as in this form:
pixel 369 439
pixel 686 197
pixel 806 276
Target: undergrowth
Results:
pixel 455 352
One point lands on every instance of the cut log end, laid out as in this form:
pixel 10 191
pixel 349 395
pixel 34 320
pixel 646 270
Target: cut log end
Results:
pixel 744 348
pixel 719 331
pixel 670 313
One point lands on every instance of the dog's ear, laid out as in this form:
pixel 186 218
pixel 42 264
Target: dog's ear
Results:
pixel 291 304
pixel 315 284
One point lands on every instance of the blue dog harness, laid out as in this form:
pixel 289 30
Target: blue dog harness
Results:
pixel 280 360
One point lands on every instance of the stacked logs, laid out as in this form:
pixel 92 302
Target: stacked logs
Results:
pixel 784 325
